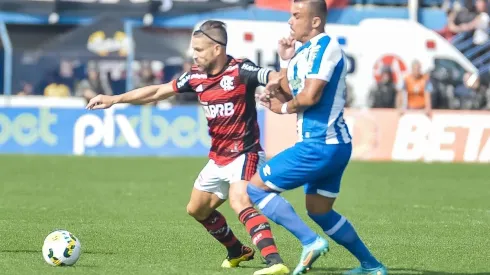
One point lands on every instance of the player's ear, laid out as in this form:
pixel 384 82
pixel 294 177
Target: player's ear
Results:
pixel 316 22
pixel 217 49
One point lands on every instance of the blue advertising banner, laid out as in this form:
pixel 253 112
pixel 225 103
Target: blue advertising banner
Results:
pixel 128 131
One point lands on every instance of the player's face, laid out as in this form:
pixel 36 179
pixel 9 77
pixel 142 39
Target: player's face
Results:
pixel 205 52
pixel 301 21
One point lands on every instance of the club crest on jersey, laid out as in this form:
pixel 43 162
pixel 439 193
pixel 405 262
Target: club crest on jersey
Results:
pixel 296 84
pixel 219 110
pixel 227 83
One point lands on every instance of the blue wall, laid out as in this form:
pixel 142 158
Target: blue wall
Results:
pixel 132 131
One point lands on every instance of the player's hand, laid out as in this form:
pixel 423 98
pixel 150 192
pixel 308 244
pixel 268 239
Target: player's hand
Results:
pixel 273 86
pixel 274 104
pixel 100 102
pixel 286 48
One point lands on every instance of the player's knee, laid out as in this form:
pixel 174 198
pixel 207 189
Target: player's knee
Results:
pixel 318 204
pixel 239 199
pixel 257 194
pixel 198 213
pixel 259 183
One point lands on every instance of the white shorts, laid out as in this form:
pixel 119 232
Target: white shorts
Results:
pixel 216 179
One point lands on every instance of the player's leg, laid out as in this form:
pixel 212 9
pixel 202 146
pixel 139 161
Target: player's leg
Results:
pixel 208 194
pixel 287 171
pixel 256 224
pixel 320 198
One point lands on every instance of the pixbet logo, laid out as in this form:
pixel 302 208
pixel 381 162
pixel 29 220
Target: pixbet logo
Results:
pixel 143 130
pixel 103 131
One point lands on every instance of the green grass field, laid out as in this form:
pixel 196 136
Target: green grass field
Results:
pixel 129 214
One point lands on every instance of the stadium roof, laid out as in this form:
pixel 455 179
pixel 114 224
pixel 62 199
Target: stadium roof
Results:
pixel 123 8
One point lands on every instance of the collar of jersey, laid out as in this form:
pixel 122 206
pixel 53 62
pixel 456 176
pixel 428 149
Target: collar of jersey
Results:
pixel 312 40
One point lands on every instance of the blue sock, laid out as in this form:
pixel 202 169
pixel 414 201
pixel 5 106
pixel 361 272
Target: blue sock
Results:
pixel 342 232
pixel 281 212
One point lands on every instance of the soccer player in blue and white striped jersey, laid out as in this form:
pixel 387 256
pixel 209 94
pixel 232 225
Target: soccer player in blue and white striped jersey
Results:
pixel 316 73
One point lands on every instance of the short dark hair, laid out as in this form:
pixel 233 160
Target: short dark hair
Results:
pixel 214 30
pixel 317 7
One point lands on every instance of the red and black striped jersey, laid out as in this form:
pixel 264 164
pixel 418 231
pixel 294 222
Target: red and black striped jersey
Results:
pixel 228 99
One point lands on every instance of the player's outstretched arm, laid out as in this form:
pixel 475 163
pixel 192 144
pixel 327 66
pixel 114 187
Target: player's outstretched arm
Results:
pixel 137 96
pixel 147 94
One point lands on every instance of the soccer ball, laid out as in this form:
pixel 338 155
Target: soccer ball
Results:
pixel 61 248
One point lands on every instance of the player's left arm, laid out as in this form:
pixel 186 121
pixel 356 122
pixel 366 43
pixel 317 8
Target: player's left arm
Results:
pixel 323 64
pixel 256 76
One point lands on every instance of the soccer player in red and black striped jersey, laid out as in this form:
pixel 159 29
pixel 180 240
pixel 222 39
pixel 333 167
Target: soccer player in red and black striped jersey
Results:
pixel 225 87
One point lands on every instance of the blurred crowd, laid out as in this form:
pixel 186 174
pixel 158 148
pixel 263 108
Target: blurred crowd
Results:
pixel 446 87
pixel 97 77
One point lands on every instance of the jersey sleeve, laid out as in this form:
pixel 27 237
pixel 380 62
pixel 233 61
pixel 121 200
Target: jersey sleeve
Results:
pixel 253 75
pixel 182 84
pixel 323 59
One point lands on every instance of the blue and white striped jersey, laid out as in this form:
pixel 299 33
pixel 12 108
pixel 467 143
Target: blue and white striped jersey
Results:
pixel 321 58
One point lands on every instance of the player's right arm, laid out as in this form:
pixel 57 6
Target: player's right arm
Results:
pixel 138 96
pixel 143 95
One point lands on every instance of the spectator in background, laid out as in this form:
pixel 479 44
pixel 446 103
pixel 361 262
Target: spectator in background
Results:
pixel 476 97
pixel 27 89
pixel 383 94
pixel 61 82
pixel 416 91
pixel 457 15
pixel 480 25
pixel 93 85
pixel 147 77
pixel 184 98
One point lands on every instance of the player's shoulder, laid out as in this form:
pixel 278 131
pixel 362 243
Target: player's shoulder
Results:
pixel 326 41
pixel 193 78
pixel 246 65
pixel 241 62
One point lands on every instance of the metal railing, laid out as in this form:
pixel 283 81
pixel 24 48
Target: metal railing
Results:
pixel 479 55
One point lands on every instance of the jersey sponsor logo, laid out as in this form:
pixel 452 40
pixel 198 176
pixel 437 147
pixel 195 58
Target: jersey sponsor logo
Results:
pixel 183 80
pixel 199 76
pixel 219 110
pixel 227 83
pixel 232 68
pixel 250 68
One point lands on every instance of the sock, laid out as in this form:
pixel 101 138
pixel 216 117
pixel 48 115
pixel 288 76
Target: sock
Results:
pixel 341 231
pixel 260 231
pixel 218 228
pixel 281 212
